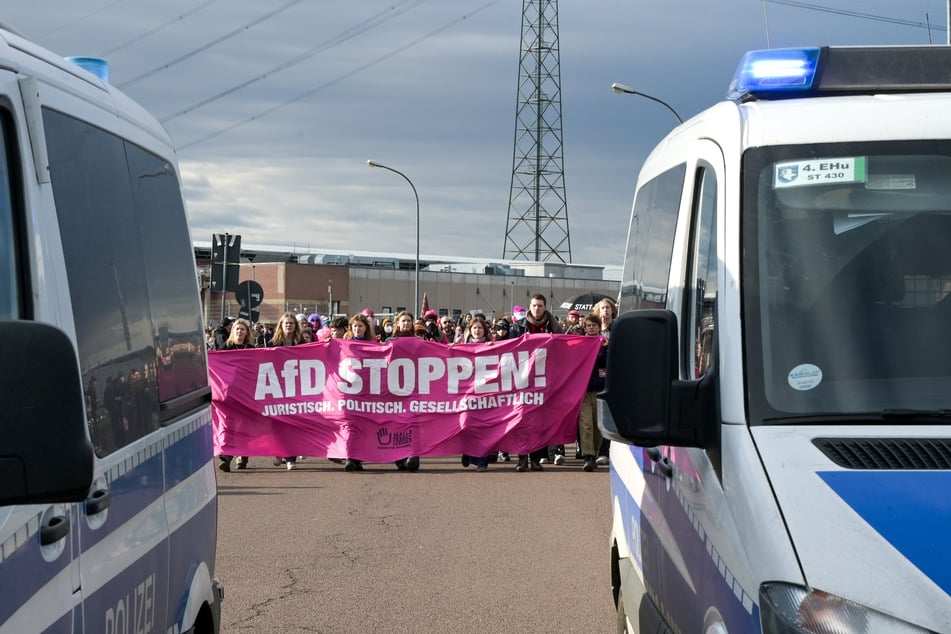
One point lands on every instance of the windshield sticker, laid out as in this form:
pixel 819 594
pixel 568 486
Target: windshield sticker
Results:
pixel 891 181
pixel 804 377
pixel 819 172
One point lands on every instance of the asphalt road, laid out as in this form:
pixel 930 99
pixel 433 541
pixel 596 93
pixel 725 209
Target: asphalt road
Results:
pixel 444 549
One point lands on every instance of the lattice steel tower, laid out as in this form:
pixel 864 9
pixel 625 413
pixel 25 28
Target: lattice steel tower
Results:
pixel 537 225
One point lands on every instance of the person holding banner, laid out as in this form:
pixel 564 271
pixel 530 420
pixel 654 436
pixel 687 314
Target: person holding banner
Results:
pixel 477 331
pixel 360 328
pixel 238 339
pixel 537 321
pixel 448 328
pixel 589 436
pixel 405 326
pixel 606 311
pixel 501 333
pixel 287 333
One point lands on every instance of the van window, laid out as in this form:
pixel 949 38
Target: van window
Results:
pixel 10 290
pixel 702 288
pixel 847 278
pixel 171 275
pixel 131 278
pixel 651 241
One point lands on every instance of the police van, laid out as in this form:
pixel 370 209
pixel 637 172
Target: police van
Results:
pixel 779 381
pixel 108 508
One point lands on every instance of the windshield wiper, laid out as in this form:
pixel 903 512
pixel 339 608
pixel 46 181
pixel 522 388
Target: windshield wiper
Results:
pixel 837 418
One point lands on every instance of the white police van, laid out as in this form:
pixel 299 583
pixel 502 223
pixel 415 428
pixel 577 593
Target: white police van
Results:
pixel 108 508
pixel 780 378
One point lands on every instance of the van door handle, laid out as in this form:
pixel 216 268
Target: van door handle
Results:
pixel 55 529
pixel 663 464
pixel 98 501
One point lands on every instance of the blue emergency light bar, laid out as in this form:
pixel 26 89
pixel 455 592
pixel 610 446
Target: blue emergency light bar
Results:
pixel 95 65
pixel 808 72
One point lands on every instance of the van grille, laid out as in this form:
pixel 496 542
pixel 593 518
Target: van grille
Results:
pixel 887 453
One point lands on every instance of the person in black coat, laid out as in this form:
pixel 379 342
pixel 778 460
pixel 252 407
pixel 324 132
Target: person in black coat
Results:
pixel 222 332
pixel 536 321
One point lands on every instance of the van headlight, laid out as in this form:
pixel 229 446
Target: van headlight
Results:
pixel 790 609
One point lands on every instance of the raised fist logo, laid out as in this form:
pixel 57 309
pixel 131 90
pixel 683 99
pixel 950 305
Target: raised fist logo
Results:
pixel 383 436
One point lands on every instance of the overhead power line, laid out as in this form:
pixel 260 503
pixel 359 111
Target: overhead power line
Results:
pixel 205 47
pixel 337 80
pixel 59 28
pixel 376 20
pixel 859 14
pixel 155 30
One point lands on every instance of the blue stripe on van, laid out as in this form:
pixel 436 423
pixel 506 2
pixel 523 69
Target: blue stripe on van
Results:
pixel 142 478
pixel 714 585
pixel 190 546
pixel 24 570
pixel 135 482
pixel 133 488
pixel 138 597
pixel 910 509
pixel 189 452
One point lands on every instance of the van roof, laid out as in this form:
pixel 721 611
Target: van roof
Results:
pixel 25 57
pixel 822 71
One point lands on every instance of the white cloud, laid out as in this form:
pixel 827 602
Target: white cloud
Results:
pixel 280 167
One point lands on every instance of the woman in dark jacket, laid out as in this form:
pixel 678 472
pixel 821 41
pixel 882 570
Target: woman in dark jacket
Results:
pixel 238 339
pixel 287 333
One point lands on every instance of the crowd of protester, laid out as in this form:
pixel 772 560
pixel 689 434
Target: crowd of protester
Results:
pixel 294 329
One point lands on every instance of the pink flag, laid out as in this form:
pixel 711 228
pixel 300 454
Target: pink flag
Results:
pixel 409 397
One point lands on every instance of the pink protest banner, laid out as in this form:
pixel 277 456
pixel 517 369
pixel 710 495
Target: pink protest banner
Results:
pixel 409 397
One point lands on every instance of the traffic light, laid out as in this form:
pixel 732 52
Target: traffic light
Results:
pixel 225 256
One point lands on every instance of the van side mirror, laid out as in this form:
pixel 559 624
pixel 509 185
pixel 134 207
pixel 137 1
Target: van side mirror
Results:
pixel 646 403
pixel 45 452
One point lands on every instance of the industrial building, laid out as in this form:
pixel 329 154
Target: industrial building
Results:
pixel 332 282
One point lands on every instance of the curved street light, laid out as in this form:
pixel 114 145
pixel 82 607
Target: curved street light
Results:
pixel 380 165
pixel 624 90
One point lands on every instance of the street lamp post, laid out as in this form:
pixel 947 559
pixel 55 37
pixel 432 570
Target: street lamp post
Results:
pixel 624 90
pixel 375 164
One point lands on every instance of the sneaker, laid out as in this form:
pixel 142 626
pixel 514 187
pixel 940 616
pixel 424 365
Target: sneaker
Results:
pixel 522 465
pixel 559 458
pixel 504 456
pixel 278 461
pixel 536 466
pixel 400 464
pixel 351 465
pixel 542 461
pixel 242 463
pixel 589 463
pixel 482 467
pixel 603 461
pixel 291 466
pixel 224 465
pixel 412 463
pixel 465 460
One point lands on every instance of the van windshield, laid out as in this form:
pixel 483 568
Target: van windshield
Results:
pixel 847 280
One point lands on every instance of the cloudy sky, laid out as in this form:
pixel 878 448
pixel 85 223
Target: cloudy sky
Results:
pixel 276 106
